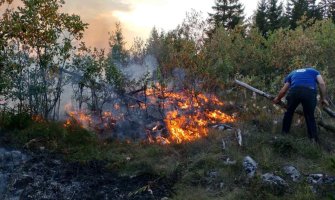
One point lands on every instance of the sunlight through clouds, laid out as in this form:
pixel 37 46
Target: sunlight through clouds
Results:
pixel 137 17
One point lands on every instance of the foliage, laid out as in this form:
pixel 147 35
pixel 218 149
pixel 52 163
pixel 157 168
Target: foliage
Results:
pixel 37 43
pixel 117 55
pixel 37 47
pixel 269 16
pixel 228 14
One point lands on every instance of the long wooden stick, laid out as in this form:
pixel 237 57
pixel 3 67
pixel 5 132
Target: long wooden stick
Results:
pixel 261 93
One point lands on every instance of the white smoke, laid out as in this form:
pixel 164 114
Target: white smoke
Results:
pixel 139 71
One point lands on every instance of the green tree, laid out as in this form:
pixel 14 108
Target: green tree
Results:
pixel 314 11
pixel 275 15
pixel 90 65
pixel 327 8
pixel 118 55
pixel 227 13
pixel 261 17
pixel 46 35
pixel 296 10
pixel 300 9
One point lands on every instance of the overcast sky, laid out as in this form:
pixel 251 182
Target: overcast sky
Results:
pixel 137 17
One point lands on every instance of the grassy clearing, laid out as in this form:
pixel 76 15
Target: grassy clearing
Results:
pixel 198 170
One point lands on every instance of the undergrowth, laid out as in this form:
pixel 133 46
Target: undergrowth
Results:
pixel 198 170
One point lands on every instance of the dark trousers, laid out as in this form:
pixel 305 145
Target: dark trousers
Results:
pixel 307 97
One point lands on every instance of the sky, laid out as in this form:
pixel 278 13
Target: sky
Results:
pixel 137 17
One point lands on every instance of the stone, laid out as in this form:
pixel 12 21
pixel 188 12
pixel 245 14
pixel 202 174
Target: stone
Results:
pixel 292 172
pixel 229 162
pixel 272 179
pixel 274 183
pixel 213 174
pixel 250 166
pixel 315 179
pixel 239 136
pixel 330 180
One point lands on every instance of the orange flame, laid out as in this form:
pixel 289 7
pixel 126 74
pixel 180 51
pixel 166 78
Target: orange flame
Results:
pixel 85 120
pixel 193 125
pixel 187 118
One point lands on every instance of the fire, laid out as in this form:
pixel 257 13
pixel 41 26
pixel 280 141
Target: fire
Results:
pixel 91 121
pixel 186 115
pixel 189 114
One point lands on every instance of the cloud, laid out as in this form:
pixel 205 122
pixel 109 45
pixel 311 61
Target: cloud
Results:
pixel 89 8
pixel 100 15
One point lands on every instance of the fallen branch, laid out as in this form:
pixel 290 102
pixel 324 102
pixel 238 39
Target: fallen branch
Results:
pixel 283 105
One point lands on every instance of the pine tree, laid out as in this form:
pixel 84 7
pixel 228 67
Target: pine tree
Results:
pixel 261 18
pixel 298 8
pixel 228 14
pixel 269 16
pixel 117 55
pixel 327 9
pixel 314 11
pixel 274 15
pixel 303 8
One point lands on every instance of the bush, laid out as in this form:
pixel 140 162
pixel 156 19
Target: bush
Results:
pixel 11 121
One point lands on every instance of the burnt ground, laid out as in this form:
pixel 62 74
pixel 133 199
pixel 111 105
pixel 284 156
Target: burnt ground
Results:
pixel 42 175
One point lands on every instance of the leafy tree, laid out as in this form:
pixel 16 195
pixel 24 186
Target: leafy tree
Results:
pixel 227 13
pixel 115 78
pixel 39 33
pixel 90 63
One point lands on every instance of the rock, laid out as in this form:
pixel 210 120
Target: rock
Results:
pixel 229 162
pixel 250 166
pixel 321 184
pixel 319 179
pixel 275 183
pixel 11 158
pixel 222 127
pixel 329 180
pixel 213 174
pixel 239 136
pixel 272 179
pixel 223 144
pixel 315 179
pixel 292 172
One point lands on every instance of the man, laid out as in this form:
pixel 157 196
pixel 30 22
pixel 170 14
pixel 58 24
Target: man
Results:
pixel 302 87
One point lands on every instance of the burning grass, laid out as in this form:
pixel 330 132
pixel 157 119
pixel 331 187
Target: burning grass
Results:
pixel 185 116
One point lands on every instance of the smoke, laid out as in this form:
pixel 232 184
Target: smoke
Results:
pixel 137 72
pixel 66 99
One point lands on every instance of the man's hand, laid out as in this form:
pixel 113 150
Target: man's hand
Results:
pixel 324 102
pixel 276 100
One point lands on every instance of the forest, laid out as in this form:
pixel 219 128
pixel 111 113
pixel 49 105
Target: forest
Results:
pixel 168 108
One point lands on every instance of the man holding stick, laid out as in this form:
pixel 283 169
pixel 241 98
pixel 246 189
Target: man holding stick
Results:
pixel 301 85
